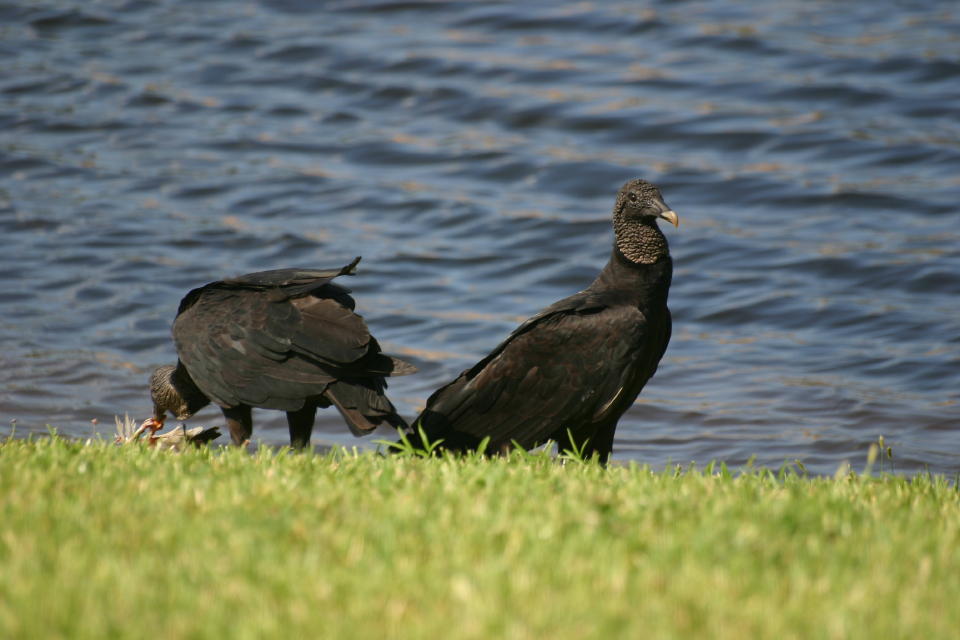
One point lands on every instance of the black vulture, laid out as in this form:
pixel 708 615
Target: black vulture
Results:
pixel 568 373
pixel 285 339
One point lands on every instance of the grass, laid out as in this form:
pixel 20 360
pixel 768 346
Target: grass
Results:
pixel 100 541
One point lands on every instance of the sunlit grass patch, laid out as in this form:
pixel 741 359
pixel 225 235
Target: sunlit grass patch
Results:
pixel 103 541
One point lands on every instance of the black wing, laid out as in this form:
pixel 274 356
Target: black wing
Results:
pixel 579 362
pixel 286 282
pixel 247 343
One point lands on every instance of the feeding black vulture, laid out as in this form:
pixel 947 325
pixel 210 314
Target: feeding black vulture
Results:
pixel 285 339
pixel 568 373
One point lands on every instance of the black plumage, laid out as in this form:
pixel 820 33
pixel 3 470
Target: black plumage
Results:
pixel 286 339
pixel 568 373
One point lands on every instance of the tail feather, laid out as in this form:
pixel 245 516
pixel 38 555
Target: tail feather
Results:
pixel 401 367
pixel 362 408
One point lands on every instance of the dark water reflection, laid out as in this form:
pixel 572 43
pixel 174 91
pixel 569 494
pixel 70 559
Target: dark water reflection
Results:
pixel 470 153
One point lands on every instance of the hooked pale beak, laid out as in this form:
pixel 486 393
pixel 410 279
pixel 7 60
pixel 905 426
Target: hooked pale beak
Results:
pixel 670 216
pixel 665 212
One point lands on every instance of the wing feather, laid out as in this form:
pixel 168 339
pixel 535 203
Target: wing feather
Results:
pixel 581 361
pixel 328 331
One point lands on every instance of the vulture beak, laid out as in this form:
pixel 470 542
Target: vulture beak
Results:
pixel 670 216
pixel 666 212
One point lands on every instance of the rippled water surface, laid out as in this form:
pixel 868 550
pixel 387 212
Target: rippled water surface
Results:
pixel 470 153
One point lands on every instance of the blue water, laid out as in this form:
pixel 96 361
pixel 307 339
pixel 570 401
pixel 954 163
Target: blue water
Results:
pixel 470 153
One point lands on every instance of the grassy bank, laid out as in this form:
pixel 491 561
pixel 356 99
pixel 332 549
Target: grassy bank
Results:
pixel 101 541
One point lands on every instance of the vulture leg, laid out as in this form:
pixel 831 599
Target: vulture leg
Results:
pixel 240 422
pixel 601 443
pixel 301 425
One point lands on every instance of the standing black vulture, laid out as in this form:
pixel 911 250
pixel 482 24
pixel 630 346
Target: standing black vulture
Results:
pixel 568 373
pixel 285 339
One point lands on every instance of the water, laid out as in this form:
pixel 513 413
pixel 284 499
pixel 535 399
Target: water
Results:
pixel 470 153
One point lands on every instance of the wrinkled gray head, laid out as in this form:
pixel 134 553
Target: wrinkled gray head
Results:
pixel 635 213
pixel 172 389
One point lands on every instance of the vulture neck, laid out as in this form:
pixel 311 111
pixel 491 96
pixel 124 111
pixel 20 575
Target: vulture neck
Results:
pixel 648 279
pixel 175 391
